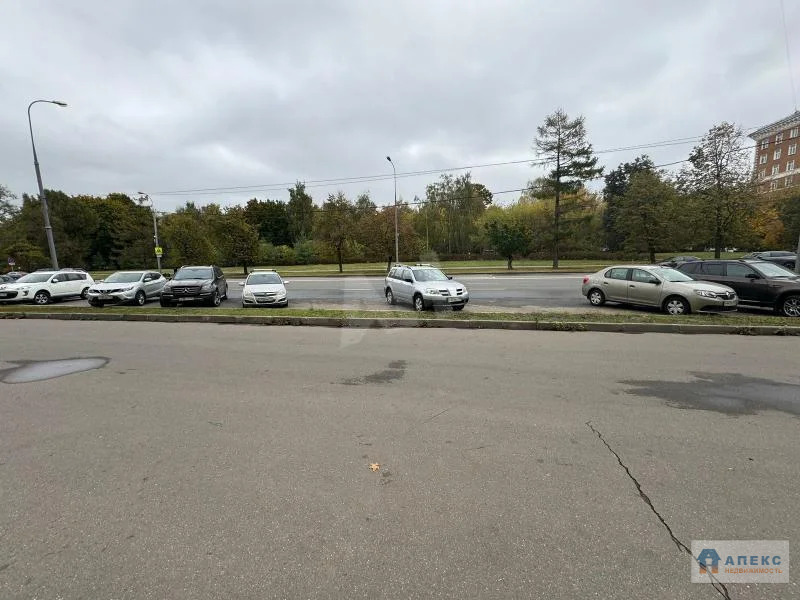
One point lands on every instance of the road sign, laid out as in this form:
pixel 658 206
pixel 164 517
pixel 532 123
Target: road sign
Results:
pixel 159 252
pixel 11 261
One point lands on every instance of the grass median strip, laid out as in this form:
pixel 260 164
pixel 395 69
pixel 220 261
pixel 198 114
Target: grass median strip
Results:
pixel 736 319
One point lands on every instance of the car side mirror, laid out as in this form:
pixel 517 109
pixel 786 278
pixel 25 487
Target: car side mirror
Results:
pixel 241 284
pixel 655 281
pixel 286 281
pixel 449 276
pixel 408 280
pixel 752 276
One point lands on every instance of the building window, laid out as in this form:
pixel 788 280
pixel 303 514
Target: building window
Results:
pixel 788 180
pixel 792 149
pixel 773 185
pixel 764 144
pixel 790 165
pixel 762 160
pixel 777 154
pixel 794 132
pixel 762 173
pixel 776 169
pixel 778 138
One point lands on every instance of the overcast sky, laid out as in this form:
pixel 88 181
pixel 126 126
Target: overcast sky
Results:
pixel 186 94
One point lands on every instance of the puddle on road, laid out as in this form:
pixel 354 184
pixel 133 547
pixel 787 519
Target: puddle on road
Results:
pixel 30 370
pixel 395 370
pixel 728 393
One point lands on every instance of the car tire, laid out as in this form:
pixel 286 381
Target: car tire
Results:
pixel 790 305
pixel 390 299
pixel 42 297
pixel 676 306
pixel 140 298
pixel 419 303
pixel 596 297
pixel 215 299
pixel 84 293
pixel 165 303
pixel 225 295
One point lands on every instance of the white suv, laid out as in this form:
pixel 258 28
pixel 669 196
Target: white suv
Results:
pixel 42 287
pixel 424 286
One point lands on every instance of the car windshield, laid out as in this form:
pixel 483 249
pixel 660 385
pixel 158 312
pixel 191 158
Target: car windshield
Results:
pixel 35 278
pixel 672 275
pixel 263 278
pixel 120 277
pixel 194 273
pixel 773 270
pixel 429 275
pixel 776 253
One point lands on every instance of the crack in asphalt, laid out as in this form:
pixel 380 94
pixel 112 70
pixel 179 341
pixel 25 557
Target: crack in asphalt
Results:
pixel 682 547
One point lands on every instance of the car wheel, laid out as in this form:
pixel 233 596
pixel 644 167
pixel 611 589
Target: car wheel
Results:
pixel 675 305
pixel 390 297
pixel 139 299
pixel 41 298
pixel 84 293
pixel 596 297
pixel 225 295
pixel 419 303
pixel 215 298
pixel 790 306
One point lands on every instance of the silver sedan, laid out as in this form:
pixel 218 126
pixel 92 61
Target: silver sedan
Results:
pixel 127 287
pixel 660 287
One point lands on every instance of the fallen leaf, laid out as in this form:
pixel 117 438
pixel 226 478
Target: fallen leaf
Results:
pixel 374 467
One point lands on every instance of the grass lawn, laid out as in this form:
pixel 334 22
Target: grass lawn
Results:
pixel 594 317
pixel 455 266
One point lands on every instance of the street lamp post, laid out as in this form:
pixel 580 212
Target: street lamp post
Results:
pixel 147 198
pixel 396 233
pixel 48 229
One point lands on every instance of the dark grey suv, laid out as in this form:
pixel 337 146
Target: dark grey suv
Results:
pixel 206 284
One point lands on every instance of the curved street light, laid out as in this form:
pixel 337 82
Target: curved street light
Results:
pixel 396 234
pixel 48 229
pixel 146 198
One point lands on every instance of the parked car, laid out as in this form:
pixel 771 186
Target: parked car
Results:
pixel 757 282
pixel 663 287
pixel 16 274
pixel 42 287
pixel 194 284
pixel 779 257
pixel 676 260
pixel 6 279
pixel 424 287
pixel 127 287
pixel 264 287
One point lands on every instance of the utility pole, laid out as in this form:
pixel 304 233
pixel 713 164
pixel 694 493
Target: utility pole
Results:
pixel 48 229
pixel 396 233
pixel 145 198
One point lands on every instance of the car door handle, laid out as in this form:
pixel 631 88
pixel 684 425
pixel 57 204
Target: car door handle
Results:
pixel 605 283
pixel 631 285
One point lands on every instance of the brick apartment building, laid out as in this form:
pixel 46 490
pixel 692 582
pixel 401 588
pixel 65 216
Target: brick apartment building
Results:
pixel 777 163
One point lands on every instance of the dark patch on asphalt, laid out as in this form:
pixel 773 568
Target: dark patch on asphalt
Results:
pixel 394 370
pixel 727 393
pixel 28 371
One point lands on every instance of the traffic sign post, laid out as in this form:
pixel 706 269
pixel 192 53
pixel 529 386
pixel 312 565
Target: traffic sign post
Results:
pixel 11 261
pixel 159 252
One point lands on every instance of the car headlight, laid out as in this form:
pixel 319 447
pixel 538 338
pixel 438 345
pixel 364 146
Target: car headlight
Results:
pixel 248 293
pixel 705 293
pixel 432 291
pixel 207 287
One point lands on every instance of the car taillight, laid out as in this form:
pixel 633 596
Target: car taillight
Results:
pixel 585 279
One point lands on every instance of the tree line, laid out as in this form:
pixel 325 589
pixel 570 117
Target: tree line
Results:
pixel 709 202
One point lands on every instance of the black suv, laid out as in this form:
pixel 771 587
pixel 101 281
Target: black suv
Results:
pixel 757 282
pixel 204 284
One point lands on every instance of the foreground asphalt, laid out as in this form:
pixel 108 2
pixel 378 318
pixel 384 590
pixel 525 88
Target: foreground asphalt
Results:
pixel 223 461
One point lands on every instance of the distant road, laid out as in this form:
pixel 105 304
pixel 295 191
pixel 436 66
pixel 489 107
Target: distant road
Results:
pixel 486 291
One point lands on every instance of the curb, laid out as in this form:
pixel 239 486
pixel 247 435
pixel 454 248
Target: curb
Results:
pixel 383 323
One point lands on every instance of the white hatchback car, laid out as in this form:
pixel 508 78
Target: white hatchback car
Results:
pixel 42 287
pixel 264 288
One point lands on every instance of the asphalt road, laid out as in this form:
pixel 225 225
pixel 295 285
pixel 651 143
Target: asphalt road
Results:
pixel 223 461
pixel 486 291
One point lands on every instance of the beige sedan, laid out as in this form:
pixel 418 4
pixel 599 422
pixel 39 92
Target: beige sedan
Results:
pixel 661 287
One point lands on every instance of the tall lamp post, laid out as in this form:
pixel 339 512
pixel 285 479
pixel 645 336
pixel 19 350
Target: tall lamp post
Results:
pixel 48 229
pixel 396 233
pixel 145 198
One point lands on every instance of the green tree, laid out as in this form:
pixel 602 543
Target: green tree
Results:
pixel 616 184
pixel 238 240
pixel 561 142
pixel 27 256
pixel 270 219
pixel 185 242
pixel 459 203
pixel 646 217
pixel 300 213
pixel 335 224
pixel 719 179
pixel 507 234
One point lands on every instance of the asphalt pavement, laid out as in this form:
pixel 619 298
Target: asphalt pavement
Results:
pixel 486 292
pixel 222 461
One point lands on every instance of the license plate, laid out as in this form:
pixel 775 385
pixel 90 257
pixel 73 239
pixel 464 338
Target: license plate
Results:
pixel 105 296
pixel 453 300
pixel 728 303
pixel 4 295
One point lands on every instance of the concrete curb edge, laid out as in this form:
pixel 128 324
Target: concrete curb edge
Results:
pixel 383 323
